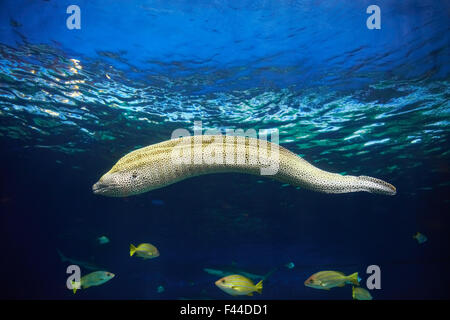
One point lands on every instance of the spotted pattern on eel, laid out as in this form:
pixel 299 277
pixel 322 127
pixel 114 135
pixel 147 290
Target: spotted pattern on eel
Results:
pixel 154 167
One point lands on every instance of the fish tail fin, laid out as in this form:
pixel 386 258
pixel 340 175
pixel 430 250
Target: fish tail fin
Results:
pixel 353 292
pixel 259 287
pixel 132 250
pixel 61 256
pixel 353 278
pixel 75 286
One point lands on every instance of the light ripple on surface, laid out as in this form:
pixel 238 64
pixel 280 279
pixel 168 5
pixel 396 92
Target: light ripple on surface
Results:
pixel 88 107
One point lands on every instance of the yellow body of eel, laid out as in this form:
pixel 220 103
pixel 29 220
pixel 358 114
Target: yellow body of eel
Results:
pixel 165 163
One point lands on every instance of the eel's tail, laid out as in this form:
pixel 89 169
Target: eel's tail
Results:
pixel 374 185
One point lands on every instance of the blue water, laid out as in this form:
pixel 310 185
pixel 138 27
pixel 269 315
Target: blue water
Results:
pixel 346 98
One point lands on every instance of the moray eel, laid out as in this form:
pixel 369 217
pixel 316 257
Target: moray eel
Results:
pixel 161 164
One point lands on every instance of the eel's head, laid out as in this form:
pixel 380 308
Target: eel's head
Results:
pixel 120 184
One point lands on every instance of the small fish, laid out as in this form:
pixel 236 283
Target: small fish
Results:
pixel 421 238
pixel 144 250
pixel 237 285
pixel 329 279
pixel 290 265
pixel 95 278
pixel 103 240
pixel 359 293
pixel 160 289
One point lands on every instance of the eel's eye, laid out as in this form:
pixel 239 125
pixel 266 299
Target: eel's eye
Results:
pixel 223 281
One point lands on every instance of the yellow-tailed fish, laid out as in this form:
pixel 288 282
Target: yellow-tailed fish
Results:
pixel 421 238
pixel 330 279
pixel 237 285
pixel 359 293
pixel 92 279
pixel 144 250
